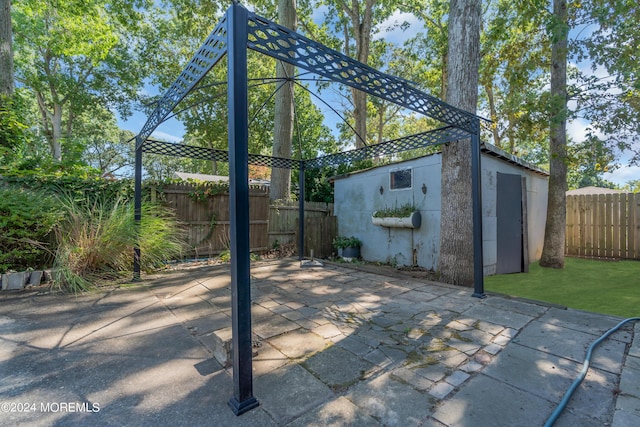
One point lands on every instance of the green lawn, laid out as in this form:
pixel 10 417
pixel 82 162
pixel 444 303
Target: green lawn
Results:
pixel 610 287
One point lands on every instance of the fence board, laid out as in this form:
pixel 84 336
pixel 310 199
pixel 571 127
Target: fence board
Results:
pixel 631 227
pixel 588 240
pixel 207 223
pixel 615 225
pixel 624 212
pixel 319 233
pixel 601 225
pixel 283 218
pixel 636 225
pixel 606 226
pixel 582 224
pixel 571 226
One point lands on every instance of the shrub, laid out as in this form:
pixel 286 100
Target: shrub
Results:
pixel 97 239
pixel 341 242
pixel 26 221
pixel 402 212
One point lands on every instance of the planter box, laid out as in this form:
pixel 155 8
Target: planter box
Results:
pixel 412 221
pixel 350 252
pixel 36 278
pixel 14 281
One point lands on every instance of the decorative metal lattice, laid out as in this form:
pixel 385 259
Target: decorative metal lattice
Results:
pixel 211 51
pixel 284 44
pixel 203 153
pixel 420 140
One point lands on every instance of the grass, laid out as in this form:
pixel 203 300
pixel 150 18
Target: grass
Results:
pixel 609 287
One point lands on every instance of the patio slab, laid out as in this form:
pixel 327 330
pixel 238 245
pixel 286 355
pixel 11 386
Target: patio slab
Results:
pixel 333 346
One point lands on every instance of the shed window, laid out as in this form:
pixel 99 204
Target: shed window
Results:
pixel 400 179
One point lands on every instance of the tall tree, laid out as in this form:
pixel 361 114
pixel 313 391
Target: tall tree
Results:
pixel 357 22
pixel 455 264
pixel 553 250
pixel 76 54
pixel 284 109
pixel 514 55
pixel 7 84
pixel 361 16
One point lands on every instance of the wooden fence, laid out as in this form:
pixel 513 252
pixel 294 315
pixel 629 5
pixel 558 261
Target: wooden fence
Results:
pixel 206 218
pixel 319 233
pixel 206 221
pixel 320 226
pixel 603 225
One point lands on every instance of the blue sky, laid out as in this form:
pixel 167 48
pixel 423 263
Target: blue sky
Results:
pixel 172 130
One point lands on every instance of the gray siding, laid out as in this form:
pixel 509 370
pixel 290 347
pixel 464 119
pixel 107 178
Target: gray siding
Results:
pixel 357 196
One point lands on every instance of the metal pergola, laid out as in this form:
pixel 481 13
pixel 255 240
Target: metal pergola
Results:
pixel 237 31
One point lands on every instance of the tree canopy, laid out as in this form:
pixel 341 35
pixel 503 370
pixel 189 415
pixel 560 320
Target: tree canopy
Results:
pixel 80 65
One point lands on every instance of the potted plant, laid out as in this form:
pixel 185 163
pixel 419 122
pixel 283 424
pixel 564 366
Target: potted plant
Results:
pixel 405 216
pixel 348 247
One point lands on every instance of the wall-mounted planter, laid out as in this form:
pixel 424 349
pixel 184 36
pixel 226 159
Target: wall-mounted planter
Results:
pixel 412 221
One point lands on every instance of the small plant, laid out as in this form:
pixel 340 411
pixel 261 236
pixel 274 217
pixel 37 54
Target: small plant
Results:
pixel 341 242
pixel 398 212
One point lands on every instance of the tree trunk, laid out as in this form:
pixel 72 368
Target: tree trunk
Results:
pixel 361 23
pixel 56 126
pixel 554 236
pixel 284 111
pixel 455 263
pixel 7 86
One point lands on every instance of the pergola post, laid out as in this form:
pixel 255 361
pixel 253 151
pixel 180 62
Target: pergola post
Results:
pixel 243 399
pixel 301 212
pixel 476 194
pixel 137 206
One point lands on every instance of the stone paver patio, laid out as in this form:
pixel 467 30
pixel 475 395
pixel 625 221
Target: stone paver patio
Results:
pixel 333 346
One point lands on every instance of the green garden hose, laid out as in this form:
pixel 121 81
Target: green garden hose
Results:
pixel 585 367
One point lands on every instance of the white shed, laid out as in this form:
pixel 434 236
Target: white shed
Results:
pixel 514 209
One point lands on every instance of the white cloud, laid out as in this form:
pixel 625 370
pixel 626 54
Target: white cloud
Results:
pixel 577 129
pixel 623 175
pixel 390 28
pixel 164 136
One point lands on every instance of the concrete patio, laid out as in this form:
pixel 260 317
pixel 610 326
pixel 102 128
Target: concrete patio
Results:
pixel 334 346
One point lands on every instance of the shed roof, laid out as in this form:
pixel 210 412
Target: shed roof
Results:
pixel 486 148
pixel 214 178
pixel 593 190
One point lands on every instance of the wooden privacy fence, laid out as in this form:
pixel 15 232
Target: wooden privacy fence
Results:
pixel 319 233
pixel 206 217
pixel 320 226
pixel 204 213
pixel 603 225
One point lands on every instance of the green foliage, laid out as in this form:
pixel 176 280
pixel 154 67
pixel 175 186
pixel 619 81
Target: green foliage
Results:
pixel 632 186
pixel 78 56
pixel 398 212
pixel 97 238
pixel 26 221
pixel 341 242
pixel 203 190
pixel 12 127
pixel 77 186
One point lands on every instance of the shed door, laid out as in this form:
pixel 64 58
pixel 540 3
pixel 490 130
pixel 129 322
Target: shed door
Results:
pixel 509 217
